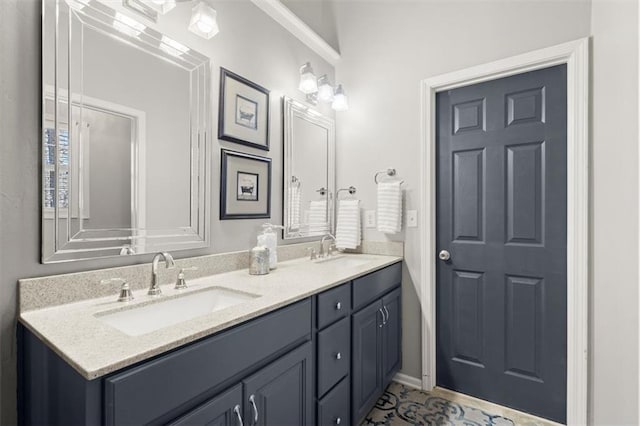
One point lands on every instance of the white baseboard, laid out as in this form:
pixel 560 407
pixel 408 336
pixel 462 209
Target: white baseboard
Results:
pixel 412 382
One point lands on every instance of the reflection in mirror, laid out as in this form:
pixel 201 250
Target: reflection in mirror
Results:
pixel 125 119
pixel 309 171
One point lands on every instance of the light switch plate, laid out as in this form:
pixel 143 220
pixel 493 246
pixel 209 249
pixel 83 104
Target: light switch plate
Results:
pixel 412 218
pixel 370 219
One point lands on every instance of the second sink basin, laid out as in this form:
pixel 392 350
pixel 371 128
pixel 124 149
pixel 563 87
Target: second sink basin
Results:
pixel 164 313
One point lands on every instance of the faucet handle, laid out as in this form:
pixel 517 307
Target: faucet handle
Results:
pixel 313 255
pixel 181 283
pixel 125 291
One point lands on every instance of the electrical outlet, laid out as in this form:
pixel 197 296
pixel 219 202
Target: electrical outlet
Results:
pixel 412 218
pixel 370 219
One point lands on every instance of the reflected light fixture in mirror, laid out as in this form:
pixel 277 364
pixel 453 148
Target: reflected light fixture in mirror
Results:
pixel 160 6
pixel 340 102
pixel 204 21
pixel 308 82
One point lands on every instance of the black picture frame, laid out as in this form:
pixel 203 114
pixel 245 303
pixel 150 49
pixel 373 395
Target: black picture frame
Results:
pixel 232 165
pixel 229 129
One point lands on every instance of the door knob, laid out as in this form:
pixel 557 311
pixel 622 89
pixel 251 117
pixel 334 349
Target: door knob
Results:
pixel 444 255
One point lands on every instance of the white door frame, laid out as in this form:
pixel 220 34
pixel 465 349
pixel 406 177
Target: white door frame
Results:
pixel 576 55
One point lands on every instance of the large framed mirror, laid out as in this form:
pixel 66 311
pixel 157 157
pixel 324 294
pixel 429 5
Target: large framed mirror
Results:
pixel 126 128
pixel 309 171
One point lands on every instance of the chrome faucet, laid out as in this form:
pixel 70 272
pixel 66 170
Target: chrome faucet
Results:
pixel 321 253
pixel 154 290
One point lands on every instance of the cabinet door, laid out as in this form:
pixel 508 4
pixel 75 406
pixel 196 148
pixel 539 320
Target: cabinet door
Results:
pixel 223 410
pixel 366 359
pixel 391 337
pixel 281 394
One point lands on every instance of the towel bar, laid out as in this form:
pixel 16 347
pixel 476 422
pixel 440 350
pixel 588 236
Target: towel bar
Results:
pixel 351 190
pixel 388 172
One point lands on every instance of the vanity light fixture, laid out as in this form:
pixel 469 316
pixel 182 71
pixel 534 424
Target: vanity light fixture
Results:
pixel 160 6
pixel 321 89
pixel 127 25
pixel 204 21
pixel 325 90
pixel 340 102
pixel 308 82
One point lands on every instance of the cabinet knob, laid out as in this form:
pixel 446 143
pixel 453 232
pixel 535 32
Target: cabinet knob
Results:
pixel 338 420
pixel 338 306
pixel 338 356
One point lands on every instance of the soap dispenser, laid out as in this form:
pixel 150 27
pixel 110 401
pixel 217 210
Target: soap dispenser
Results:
pixel 269 239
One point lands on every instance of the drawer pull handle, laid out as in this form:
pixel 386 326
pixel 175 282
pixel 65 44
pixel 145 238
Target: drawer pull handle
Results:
pixel 386 311
pixel 338 306
pixel 383 320
pixel 338 420
pixel 236 410
pixel 338 356
pixel 252 400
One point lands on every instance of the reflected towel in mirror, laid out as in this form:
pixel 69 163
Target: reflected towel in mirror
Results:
pixel 348 226
pixel 294 206
pixel 389 207
pixel 317 221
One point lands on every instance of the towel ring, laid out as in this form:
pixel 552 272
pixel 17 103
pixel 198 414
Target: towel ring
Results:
pixel 388 172
pixel 351 190
pixel 295 181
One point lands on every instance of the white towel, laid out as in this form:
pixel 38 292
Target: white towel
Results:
pixel 294 206
pixel 317 223
pixel 389 207
pixel 348 227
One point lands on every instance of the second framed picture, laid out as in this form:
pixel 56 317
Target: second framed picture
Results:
pixel 243 112
pixel 245 186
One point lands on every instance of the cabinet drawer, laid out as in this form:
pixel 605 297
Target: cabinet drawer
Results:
pixel 370 287
pixel 334 354
pixel 333 305
pixel 334 409
pixel 140 395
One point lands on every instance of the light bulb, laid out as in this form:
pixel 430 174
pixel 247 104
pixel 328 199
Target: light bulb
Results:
pixel 204 21
pixel 325 91
pixel 308 82
pixel 340 102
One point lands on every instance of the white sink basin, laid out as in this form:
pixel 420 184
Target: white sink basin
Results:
pixel 164 313
pixel 342 261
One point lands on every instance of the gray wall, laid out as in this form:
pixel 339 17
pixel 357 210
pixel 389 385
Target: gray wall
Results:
pixel 250 44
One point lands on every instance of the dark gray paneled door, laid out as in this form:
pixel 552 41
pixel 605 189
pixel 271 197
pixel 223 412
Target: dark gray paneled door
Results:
pixel 501 216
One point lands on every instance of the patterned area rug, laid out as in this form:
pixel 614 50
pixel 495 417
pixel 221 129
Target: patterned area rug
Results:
pixel 401 405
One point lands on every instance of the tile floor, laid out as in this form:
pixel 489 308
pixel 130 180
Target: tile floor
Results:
pixel 402 405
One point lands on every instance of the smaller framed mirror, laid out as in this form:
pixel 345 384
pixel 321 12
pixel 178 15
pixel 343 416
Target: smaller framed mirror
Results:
pixel 309 171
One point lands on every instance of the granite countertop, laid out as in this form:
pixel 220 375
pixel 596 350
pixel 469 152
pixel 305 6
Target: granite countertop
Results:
pixel 93 348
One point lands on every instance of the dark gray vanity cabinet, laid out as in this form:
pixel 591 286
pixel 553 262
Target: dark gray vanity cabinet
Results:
pixel 281 394
pixel 324 360
pixel 223 410
pixel 377 337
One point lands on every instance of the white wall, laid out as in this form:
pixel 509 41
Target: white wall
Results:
pixel 387 48
pixel 614 249
pixel 249 43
